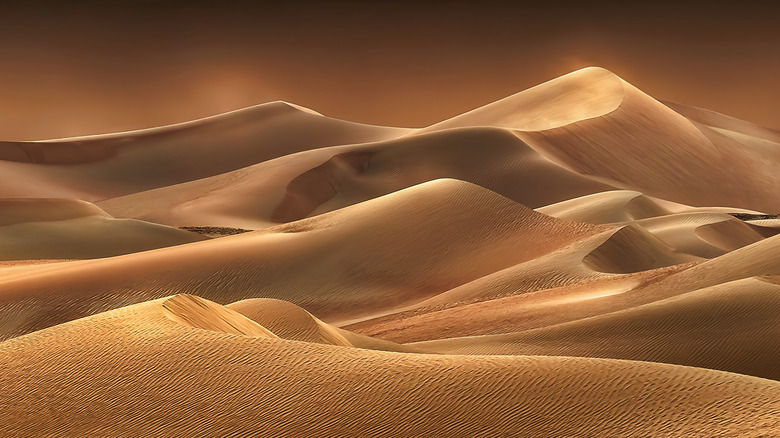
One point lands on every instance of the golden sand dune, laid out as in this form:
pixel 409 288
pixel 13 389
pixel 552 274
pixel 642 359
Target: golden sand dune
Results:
pixel 198 313
pixel 598 272
pixel 574 123
pixel 721 123
pixel 581 95
pixel 584 119
pixel 398 247
pixel 136 371
pixel 70 229
pixel 632 249
pixel 700 231
pixel 399 281
pixel 289 321
pixel 666 151
pixel 706 235
pixel 102 166
pixel 322 180
pixel 607 207
pixel 553 301
pixel 732 327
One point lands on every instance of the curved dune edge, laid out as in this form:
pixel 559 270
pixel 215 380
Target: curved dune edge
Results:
pixel 69 229
pixel 291 322
pixel 607 207
pixel 242 384
pixel 567 303
pixel 190 123
pixel 196 312
pixel 22 210
pixel 99 168
pixel 314 182
pixel 632 249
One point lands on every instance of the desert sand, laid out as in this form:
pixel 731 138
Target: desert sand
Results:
pixel 577 259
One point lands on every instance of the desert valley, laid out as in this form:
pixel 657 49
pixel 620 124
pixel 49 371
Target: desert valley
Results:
pixel 577 259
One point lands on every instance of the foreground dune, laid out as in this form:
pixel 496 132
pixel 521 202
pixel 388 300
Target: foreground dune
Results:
pixel 175 379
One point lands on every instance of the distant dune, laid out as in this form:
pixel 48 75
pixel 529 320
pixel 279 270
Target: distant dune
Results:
pixel 577 259
pixel 70 229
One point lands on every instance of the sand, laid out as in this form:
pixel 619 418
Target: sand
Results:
pixel 577 259
pixel 136 371
pixel 35 229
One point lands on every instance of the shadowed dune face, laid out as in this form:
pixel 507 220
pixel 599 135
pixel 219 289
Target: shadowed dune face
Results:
pixel 33 229
pixel 17 211
pixel 203 314
pixel 577 259
pixel 291 322
pixel 327 179
pixel 288 321
pixel 660 161
pixel 147 159
pixel 606 208
pixel 632 249
pixel 318 185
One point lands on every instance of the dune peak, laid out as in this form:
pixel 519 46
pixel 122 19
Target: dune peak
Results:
pixel 580 95
pixel 200 313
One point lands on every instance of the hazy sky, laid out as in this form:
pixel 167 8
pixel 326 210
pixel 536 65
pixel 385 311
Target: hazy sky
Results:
pixel 70 68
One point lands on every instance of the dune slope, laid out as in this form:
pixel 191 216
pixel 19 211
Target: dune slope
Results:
pixel 732 327
pixel 369 258
pixel 176 380
pixel 103 166
pixel 32 229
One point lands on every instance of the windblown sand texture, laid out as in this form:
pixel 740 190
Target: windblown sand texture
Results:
pixel 578 259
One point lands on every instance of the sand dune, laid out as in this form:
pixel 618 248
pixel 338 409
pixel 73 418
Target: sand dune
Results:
pixel 581 95
pixel 577 259
pixel 176 380
pixel 632 249
pixel 398 247
pixel 322 180
pixel 103 166
pixel 288 321
pixel 582 120
pixel 660 161
pixel 732 327
pixel 71 229
pixel 596 272
pixel 553 303
pixel 701 231
pixel 606 208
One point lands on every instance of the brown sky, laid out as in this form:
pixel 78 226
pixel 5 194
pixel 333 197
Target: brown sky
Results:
pixel 89 67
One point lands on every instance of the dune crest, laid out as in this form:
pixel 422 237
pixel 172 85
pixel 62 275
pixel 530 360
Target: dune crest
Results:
pixel 203 314
pixel 584 94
